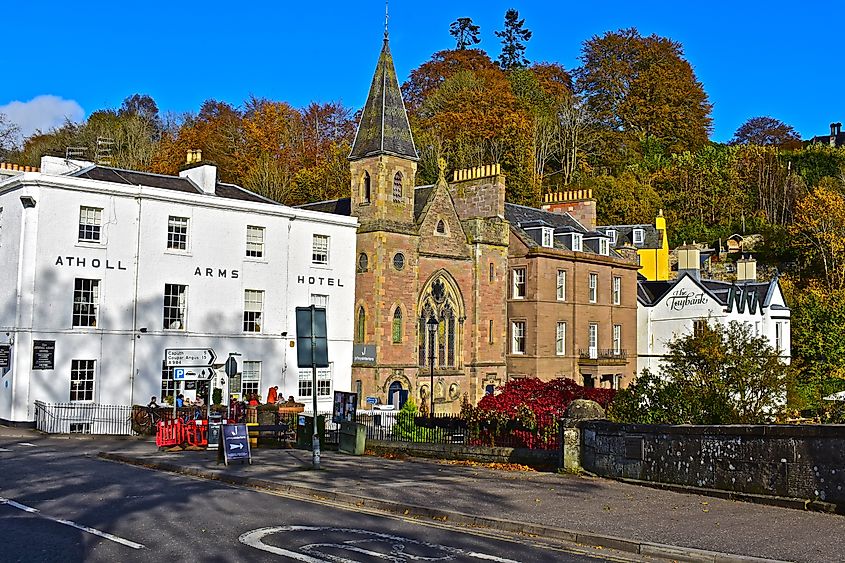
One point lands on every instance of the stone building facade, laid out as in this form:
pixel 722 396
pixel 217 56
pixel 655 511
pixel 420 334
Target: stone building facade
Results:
pixel 435 267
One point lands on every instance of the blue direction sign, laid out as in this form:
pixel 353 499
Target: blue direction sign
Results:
pixel 234 443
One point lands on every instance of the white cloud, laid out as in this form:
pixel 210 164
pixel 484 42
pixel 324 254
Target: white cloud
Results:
pixel 42 113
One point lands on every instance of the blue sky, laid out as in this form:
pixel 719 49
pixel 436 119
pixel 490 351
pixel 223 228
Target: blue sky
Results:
pixel 70 58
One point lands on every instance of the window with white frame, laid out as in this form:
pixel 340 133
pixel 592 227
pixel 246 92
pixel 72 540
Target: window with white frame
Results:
pixel 319 300
pixel 168 384
pixel 175 306
pixel 82 380
pixel 560 339
pixel 594 340
pixel 177 233
pixel 548 236
pixel 561 285
pixel 306 383
pixel 594 282
pixel 638 236
pixel 90 221
pixel 254 241
pixel 320 249
pixel 518 337
pixel 611 233
pixel 577 242
pixel 250 379
pixel 779 336
pixel 617 290
pixel 86 302
pixel 604 246
pixel 617 339
pixel 253 310
pixel 519 283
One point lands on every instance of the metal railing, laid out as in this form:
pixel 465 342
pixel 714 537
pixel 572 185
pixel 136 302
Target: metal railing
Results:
pixel 83 418
pixel 541 434
pixel 603 354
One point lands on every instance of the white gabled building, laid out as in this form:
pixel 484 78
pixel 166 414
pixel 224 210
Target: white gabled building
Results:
pixel 667 310
pixel 104 269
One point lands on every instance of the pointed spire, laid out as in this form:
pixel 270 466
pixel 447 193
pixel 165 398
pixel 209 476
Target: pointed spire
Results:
pixel 384 127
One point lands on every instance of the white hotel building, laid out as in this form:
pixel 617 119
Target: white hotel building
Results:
pixel 104 269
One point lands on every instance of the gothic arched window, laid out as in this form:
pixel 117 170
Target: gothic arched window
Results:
pixel 361 328
pixel 440 323
pixel 365 188
pixel 397 326
pixel 397 188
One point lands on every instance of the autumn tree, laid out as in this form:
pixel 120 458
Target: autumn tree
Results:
pixel 637 88
pixel 819 235
pixel 624 199
pixel 719 375
pixel 513 37
pixel 465 33
pixel 766 131
pixel 430 75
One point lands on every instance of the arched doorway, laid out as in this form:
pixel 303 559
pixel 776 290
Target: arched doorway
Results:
pixel 397 395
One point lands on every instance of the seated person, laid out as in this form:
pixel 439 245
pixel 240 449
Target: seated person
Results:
pixel 152 404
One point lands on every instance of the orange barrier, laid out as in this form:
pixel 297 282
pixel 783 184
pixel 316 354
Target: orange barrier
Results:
pixel 169 432
pixel 196 432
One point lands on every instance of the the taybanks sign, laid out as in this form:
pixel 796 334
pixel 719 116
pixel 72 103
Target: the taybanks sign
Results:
pixel 684 298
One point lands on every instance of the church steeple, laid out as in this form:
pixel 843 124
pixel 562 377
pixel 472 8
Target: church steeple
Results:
pixel 384 127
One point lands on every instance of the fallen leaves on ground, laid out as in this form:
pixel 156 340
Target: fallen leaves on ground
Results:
pixel 499 466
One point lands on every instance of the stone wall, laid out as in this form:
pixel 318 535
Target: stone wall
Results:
pixel 541 459
pixel 802 462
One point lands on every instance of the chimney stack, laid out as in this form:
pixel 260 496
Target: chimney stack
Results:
pixel 689 260
pixel 203 175
pixel 746 270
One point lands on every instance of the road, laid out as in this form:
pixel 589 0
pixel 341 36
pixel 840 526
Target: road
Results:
pixel 59 503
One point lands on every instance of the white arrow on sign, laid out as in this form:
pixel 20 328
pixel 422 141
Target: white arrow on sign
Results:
pixel 236 446
pixel 192 373
pixel 189 357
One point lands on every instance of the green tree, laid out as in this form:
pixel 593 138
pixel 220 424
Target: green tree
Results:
pixel 513 37
pixel 464 32
pixel 719 375
pixel 638 87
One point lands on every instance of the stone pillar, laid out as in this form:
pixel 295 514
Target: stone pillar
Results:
pixel 578 410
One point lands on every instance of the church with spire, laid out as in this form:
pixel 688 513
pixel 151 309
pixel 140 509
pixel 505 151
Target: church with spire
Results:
pixel 430 311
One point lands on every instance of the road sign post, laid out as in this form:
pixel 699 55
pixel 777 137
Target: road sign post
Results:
pixel 312 350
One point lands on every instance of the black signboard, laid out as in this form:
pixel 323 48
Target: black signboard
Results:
pixel 234 443
pixel 344 406
pixel 311 341
pixel 5 356
pixel 43 354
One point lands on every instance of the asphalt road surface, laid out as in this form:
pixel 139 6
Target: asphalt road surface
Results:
pixel 59 503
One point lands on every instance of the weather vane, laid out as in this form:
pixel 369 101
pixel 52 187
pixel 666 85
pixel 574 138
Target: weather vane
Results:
pixel 385 19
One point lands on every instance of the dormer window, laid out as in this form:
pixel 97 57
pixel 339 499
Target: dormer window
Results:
pixel 638 236
pixel 604 246
pixel 611 233
pixel 548 236
pixel 365 188
pixel 577 242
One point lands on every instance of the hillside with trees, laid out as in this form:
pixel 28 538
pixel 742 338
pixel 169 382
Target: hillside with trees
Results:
pixel 632 123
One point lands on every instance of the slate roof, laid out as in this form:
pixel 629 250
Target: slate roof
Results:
pixel 839 140
pixel 343 206
pixel 652 292
pixel 625 234
pixel 384 127
pixel 528 220
pixel 163 181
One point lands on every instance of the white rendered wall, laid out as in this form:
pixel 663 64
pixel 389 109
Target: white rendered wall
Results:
pixel 133 265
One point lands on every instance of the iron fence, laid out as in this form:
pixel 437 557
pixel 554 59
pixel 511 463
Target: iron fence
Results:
pixel 540 433
pixel 83 418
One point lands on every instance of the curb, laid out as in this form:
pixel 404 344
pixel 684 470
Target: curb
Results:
pixel 675 553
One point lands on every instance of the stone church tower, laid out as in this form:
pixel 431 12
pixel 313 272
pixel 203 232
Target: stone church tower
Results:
pixel 431 266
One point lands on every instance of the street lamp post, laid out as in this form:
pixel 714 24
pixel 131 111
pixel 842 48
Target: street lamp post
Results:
pixel 431 324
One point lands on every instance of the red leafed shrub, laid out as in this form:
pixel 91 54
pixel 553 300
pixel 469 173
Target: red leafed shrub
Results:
pixel 525 412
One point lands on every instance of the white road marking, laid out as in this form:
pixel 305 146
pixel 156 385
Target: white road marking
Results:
pixel 4 450
pixel 396 545
pixel 94 531
pixel 26 444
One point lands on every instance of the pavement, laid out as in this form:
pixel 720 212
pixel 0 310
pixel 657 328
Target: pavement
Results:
pixel 583 509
